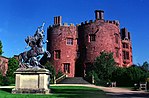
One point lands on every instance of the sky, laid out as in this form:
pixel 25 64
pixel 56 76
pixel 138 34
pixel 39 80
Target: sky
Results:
pixel 20 18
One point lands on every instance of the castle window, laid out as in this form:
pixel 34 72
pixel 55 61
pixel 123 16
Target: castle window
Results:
pixel 92 37
pixel 125 45
pixel 125 55
pixel 66 67
pixel 69 41
pixel 116 38
pixel 57 54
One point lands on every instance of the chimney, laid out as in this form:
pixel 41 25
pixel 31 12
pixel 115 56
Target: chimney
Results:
pixel 125 33
pixel 60 20
pixel 57 20
pixel 129 35
pixel 54 20
pixel 99 14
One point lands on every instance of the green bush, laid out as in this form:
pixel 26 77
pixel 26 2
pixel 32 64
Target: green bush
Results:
pixel 12 67
pixel 3 80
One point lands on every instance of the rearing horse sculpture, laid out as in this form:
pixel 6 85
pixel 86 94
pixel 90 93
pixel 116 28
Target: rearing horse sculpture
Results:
pixel 31 58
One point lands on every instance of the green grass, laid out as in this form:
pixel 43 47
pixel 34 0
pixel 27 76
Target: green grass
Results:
pixel 59 92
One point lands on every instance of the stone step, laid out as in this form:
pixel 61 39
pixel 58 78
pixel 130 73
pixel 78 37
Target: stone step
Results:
pixel 73 80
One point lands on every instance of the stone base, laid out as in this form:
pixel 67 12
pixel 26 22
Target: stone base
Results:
pixel 30 91
pixel 32 80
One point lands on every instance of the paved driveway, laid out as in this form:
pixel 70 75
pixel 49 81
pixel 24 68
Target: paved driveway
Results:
pixel 116 92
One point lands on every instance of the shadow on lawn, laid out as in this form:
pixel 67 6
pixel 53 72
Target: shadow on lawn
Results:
pixel 76 93
pixel 138 95
pixel 8 90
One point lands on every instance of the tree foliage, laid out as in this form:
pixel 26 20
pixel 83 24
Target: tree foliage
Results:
pixel 50 67
pixel 1 46
pixel 129 76
pixel 104 66
pixel 104 70
pixel 145 66
pixel 12 67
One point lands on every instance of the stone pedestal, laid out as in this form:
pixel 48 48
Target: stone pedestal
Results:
pixel 32 80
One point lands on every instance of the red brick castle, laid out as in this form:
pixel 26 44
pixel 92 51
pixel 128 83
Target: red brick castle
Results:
pixel 73 48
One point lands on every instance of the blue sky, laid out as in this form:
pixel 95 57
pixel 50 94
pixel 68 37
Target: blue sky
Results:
pixel 20 18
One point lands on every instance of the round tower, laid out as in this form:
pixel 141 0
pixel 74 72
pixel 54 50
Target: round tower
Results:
pixel 100 35
pixel 63 46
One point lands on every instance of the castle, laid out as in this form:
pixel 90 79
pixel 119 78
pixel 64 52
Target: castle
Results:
pixel 74 47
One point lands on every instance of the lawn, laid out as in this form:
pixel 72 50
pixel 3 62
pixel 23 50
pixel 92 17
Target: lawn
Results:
pixel 59 92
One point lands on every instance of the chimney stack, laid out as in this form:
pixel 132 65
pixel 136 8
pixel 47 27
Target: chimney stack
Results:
pixel 54 20
pixel 57 20
pixel 99 14
pixel 125 33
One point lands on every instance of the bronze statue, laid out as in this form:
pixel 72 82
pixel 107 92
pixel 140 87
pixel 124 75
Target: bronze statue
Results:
pixel 30 59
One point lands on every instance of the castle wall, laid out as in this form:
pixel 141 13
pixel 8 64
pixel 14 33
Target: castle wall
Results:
pixel 63 46
pixel 3 65
pixel 107 38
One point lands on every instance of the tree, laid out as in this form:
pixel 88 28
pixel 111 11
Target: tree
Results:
pixel 50 67
pixel 129 76
pixel 145 66
pixel 137 74
pixel 104 66
pixel 120 76
pixel 12 67
pixel 1 46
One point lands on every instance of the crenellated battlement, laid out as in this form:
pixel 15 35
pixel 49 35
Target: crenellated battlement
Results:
pixel 87 22
pixel 116 22
pixel 64 24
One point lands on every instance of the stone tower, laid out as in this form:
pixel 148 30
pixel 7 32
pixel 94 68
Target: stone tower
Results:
pixel 126 47
pixel 63 46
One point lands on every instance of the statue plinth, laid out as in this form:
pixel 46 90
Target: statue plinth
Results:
pixel 32 80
